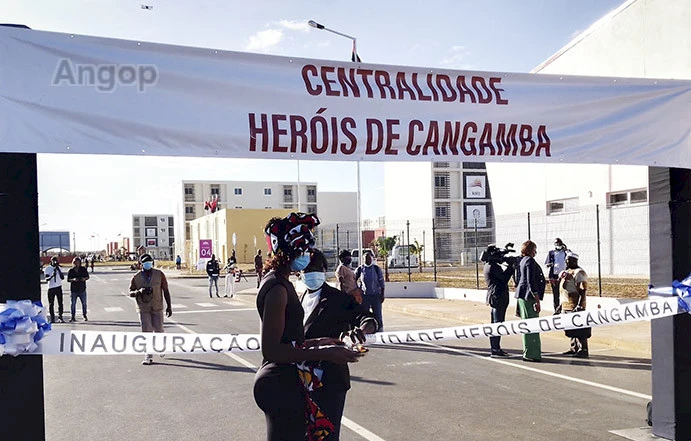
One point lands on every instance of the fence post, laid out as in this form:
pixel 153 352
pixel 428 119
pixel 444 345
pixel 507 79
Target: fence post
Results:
pixel 407 228
pixel 529 225
pixel 423 249
pixel 338 249
pixel 599 261
pixel 348 239
pixel 477 264
pixel 434 248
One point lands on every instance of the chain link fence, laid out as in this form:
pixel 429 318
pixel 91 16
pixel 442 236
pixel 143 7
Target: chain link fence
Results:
pixel 611 241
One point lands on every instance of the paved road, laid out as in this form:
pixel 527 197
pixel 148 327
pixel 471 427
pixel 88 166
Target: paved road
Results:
pixel 403 393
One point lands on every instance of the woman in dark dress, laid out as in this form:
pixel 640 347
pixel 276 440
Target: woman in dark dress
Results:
pixel 281 384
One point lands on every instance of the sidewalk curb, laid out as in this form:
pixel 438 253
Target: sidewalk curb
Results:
pixel 642 348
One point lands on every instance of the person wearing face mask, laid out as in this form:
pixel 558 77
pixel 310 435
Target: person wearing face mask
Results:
pixel 345 275
pixel 573 283
pixel 529 292
pixel 330 312
pixel 556 262
pixel 371 279
pixel 149 287
pixel 287 379
pixel 54 276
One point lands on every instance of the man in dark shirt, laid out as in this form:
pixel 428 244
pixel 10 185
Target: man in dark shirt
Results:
pixel 497 279
pixel 213 270
pixel 77 277
pixel 258 266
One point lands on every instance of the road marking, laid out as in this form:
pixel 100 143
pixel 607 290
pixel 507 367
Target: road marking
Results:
pixel 206 305
pixel 113 309
pixel 543 372
pixel 215 310
pixel 178 306
pixel 235 303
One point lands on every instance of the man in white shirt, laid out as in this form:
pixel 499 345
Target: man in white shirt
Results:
pixel 54 277
pixel 556 262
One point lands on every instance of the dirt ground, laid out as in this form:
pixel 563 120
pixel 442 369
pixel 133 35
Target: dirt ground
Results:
pixel 465 278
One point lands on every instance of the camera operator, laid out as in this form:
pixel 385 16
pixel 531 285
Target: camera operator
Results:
pixel 149 286
pixel 497 278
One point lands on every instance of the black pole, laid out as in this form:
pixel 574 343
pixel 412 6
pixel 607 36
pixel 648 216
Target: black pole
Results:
pixel 338 248
pixel 477 264
pixel 670 259
pixel 434 248
pixel 348 239
pixel 599 260
pixel 407 229
pixel 423 249
pixel 21 378
pixel 529 225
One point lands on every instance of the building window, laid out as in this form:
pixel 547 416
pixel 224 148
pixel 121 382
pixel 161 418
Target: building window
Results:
pixel 238 206
pixel 312 209
pixel 311 192
pixel 441 211
pixel 189 190
pixel 237 191
pixel 136 222
pixel 150 222
pixel 441 165
pixel 627 197
pixel 189 210
pixel 562 206
pixel 137 232
pixel 267 208
pixel 474 165
pixel 150 232
pixel 267 192
pixel 171 221
pixel 441 180
pixel 287 192
pixel 216 190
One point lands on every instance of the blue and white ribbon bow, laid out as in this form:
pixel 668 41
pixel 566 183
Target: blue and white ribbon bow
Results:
pixel 680 289
pixel 22 325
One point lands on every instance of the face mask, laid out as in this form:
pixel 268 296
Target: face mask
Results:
pixel 300 263
pixel 147 265
pixel 314 280
pixel 368 264
pixel 347 261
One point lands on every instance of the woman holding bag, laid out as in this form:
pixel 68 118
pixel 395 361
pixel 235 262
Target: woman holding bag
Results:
pixel 529 292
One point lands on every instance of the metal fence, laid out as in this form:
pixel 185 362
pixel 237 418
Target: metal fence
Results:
pixel 610 240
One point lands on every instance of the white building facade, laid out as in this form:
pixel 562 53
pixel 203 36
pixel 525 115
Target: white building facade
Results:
pixel 156 233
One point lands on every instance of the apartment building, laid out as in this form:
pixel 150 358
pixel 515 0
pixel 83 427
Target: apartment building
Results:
pixel 156 232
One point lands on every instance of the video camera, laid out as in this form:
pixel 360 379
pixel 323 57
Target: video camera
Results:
pixel 496 254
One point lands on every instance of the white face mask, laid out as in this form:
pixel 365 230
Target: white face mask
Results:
pixel 314 280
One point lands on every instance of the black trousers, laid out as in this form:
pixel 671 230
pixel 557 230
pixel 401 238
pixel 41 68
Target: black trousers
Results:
pixel 332 404
pixel 555 293
pixel 52 294
pixel 498 316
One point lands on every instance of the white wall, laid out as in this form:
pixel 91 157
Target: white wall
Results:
pixel 337 207
pixel 408 187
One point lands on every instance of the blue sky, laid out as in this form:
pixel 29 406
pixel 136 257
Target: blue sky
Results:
pixel 96 195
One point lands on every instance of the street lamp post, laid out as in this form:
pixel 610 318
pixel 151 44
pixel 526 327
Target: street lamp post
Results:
pixel 354 58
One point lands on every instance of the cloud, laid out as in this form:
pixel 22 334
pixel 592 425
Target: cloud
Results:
pixel 294 25
pixel 456 58
pixel 264 40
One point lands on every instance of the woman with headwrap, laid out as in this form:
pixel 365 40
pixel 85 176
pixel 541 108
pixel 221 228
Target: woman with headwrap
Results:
pixel 283 383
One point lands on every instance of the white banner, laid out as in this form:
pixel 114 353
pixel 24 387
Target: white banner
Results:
pixel 129 343
pixel 62 93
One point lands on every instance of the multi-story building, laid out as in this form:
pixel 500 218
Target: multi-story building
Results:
pixel 156 233
pixel 455 195
pixel 331 207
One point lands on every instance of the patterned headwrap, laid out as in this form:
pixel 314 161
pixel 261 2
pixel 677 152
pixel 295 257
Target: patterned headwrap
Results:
pixel 292 233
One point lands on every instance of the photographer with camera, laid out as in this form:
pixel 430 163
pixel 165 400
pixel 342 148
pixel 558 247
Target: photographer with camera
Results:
pixel 149 286
pixel 497 278
pixel 54 276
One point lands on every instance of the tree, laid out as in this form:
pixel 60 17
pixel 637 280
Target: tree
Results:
pixel 416 249
pixel 384 245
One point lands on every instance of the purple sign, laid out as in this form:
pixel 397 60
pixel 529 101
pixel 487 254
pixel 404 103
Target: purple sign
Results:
pixel 205 249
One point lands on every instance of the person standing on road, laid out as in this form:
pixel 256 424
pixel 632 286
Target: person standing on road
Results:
pixel 149 287
pixel 556 262
pixel 213 269
pixel 284 384
pixel 345 275
pixel 54 276
pixel 230 275
pixel 371 280
pixel 330 312
pixel 178 262
pixel 529 292
pixel 258 266
pixel 497 279
pixel 77 277
pixel 92 263
pixel 573 283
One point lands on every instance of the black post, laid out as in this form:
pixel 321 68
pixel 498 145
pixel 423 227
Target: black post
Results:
pixel 338 248
pixel 529 225
pixel 423 249
pixel 670 259
pixel 434 248
pixel 477 264
pixel 599 260
pixel 407 229
pixel 348 239
pixel 21 378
